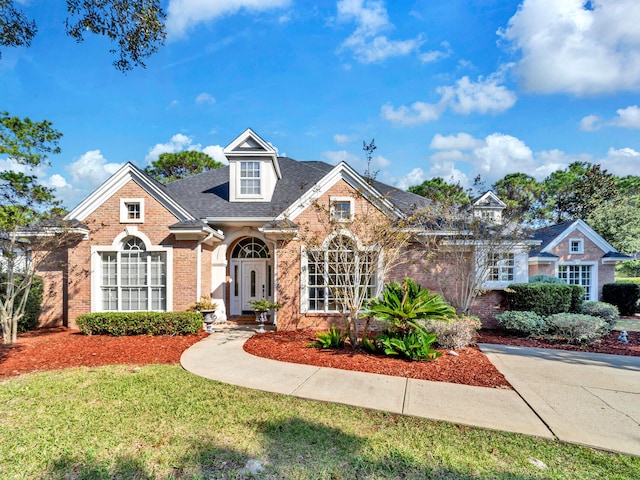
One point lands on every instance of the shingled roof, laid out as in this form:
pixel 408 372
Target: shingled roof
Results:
pixel 206 195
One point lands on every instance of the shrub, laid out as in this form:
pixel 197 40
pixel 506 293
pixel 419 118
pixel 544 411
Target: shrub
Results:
pixel 609 313
pixel 34 301
pixel 577 298
pixel 332 338
pixel 623 295
pixel 403 303
pixel 576 328
pixel 454 334
pixel 541 298
pixel 523 322
pixel 542 278
pixel 415 345
pixel 140 323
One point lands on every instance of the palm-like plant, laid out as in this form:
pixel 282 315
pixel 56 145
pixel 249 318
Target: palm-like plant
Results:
pixel 403 303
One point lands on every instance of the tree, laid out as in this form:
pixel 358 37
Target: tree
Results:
pixel 348 257
pixel 137 26
pixel 438 190
pixel 618 222
pixel 576 191
pixel 522 194
pixel 466 251
pixel 174 166
pixel 26 206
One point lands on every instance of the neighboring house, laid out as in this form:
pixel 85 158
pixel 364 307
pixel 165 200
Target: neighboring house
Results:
pixel 574 252
pixel 233 234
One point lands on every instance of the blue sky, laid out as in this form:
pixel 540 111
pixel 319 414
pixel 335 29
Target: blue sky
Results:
pixel 450 89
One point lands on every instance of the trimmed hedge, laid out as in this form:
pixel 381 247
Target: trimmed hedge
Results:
pixel 522 322
pixel 576 328
pixel 625 296
pixel 140 323
pixel 545 298
pixel 34 301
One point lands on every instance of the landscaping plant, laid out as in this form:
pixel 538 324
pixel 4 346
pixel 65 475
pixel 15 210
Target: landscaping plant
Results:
pixel 332 338
pixel 576 328
pixel 454 334
pixel 415 344
pixel 609 313
pixel 522 322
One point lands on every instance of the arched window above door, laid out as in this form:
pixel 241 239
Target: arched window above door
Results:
pixel 251 248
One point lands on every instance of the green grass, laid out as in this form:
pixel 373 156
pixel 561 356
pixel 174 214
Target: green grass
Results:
pixel 628 279
pixel 159 421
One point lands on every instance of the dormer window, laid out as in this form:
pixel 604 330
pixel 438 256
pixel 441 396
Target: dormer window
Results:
pixel 131 210
pixel 250 178
pixel 576 245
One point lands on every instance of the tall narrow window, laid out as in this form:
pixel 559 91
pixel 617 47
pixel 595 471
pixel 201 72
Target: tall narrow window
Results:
pixel 250 178
pixel 134 279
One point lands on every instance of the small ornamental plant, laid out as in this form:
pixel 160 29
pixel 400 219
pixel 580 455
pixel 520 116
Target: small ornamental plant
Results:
pixel 263 305
pixel 204 304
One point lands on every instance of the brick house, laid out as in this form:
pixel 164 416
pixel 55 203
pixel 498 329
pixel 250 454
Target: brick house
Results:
pixel 574 252
pixel 232 234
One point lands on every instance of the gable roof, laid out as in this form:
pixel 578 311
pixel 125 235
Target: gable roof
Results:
pixel 129 172
pixel 554 234
pixel 487 200
pixel 207 194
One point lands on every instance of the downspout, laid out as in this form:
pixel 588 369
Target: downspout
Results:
pixel 199 267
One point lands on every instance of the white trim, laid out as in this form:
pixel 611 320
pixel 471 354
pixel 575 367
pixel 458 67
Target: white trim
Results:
pixel 116 246
pixel 110 187
pixel 124 210
pixel 587 231
pixel 343 199
pixel 344 172
pixel 593 291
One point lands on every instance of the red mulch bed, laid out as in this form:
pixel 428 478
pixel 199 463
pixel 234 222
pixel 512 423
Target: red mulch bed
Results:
pixel 470 367
pixel 56 348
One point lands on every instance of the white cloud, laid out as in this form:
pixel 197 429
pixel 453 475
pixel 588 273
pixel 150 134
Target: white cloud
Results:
pixel 342 139
pixel 483 96
pixel 590 123
pixel 435 55
pixel 414 177
pixel 185 14
pixel 205 98
pixel 419 112
pixel 465 97
pixel 367 42
pixel 622 162
pixel 577 46
pixel 90 170
pixel 627 117
pixel 180 143
pixel 334 157
pixel 462 141
pixel 217 153
pixel 58 181
pixel 501 153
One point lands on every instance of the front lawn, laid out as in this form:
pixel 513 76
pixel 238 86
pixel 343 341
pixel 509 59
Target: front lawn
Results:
pixel 158 421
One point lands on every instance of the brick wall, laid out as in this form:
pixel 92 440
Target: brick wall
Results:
pixel 104 224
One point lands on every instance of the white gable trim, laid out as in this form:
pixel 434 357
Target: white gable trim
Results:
pixel 587 231
pixel 342 171
pixel 265 149
pixel 492 196
pixel 127 173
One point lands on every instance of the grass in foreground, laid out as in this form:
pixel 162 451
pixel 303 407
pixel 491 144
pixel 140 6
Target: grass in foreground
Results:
pixel 159 421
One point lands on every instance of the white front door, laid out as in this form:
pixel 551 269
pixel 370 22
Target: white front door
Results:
pixel 253 282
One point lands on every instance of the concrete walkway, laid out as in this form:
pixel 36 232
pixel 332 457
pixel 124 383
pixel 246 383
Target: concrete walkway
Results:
pixel 221 357
pixel 585 398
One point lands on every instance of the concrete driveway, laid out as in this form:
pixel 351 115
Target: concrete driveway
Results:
pixel 584 398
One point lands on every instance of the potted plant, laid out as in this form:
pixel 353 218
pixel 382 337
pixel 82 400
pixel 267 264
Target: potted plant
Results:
pixel 261 307
pixel 207 308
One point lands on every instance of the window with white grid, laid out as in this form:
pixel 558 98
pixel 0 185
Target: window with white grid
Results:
pixel 250 178
pixel 133 279
pixel 577 275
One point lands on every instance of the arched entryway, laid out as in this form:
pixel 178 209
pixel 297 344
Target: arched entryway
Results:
pixel 251 272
